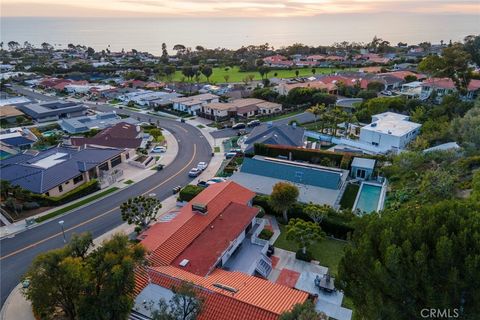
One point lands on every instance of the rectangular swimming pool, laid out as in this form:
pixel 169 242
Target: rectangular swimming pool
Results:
pixel 368 197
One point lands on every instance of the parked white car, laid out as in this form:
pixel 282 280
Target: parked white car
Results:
pixel 202 165
pixel 159 149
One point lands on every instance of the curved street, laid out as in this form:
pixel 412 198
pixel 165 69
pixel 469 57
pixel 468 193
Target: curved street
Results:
pixel 18 251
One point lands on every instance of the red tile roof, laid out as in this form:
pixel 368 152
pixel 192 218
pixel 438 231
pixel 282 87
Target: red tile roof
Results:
pixel 447 83
pixel 254 291
pixel 210 245
pixel 167 240
pixel 216 306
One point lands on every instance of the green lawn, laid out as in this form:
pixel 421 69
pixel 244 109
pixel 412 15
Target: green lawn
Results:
pixel 235 75
pixel 129 181
pixel 348 198
pixel 328 251
pixel 282 116
pixel 75 205
pixel 216 149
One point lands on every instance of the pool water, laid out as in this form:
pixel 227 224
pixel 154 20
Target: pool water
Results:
pixel 368 198
pixel 4 154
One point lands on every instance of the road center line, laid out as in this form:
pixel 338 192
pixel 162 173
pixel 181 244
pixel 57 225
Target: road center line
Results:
pixel 101 215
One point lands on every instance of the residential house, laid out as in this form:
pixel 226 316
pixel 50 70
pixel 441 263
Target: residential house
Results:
pixel 52 111
pixel 193 104
pixel 97 121
pixel 122 135
pixel 9 114
pixel 146 98
pixel 213 243
pixel 278 61
pixel 243 108
pixel 18 138
pixel 56 171
pixel 284 87
pixel 282 134
pixel 445 86
pixel 13 101
pixel 390 131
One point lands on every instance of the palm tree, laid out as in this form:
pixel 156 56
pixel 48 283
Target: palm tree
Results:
pixel 283 197
pixel 317 110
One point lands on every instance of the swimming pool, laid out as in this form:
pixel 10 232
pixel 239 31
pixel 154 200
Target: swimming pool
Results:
pixel 368 198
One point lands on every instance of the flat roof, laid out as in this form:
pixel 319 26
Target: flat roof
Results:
pixel 392 126
pixel 363 163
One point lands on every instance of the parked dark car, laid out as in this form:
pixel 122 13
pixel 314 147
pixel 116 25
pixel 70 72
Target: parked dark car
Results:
pixel 239 125
pixel 160 167
pixel 176 189
pixel 202 184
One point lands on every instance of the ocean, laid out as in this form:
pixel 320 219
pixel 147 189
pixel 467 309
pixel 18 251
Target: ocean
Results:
pixel 147 34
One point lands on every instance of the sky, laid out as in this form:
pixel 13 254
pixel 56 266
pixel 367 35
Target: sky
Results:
pixel 228 8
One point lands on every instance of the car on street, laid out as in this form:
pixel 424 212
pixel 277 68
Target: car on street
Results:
pixel 239 125
pixel 253 123
pixel 202 165
pixel 159 149
pixel 194 172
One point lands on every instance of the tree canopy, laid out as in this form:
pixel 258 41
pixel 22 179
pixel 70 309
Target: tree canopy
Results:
pixel 401 261
pixel 85 283
pixel 304 233
pixel 303 311
pixel 140 210
pixel 283 197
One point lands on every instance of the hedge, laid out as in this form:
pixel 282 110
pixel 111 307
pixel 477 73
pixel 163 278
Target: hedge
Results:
pixel 322 157
pixel 189 192
pixel 81 191
pixel 336 224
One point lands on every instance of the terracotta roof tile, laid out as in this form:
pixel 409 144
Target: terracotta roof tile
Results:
pixel 167 240
pixel 261 293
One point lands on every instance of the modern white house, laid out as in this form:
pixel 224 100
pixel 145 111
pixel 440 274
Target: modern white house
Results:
pixel 193 104
pixel 389 130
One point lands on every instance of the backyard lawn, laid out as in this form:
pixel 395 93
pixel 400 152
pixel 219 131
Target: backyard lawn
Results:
pixel 328 252
pixel 348 198
pixel 235 75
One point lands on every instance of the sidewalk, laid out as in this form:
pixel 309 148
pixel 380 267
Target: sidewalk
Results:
pixel 130 173
pixel 16 306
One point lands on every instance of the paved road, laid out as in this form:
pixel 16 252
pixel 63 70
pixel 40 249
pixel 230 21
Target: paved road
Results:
pixel 301 118
pixel 17 253
pixel 32 95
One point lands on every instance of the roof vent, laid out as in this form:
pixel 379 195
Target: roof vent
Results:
pixel 225 287
pixel 200 207
pixel 184 262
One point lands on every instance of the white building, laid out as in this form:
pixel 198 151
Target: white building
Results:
pixel 389 130
pixel 147 97
pixel 193 104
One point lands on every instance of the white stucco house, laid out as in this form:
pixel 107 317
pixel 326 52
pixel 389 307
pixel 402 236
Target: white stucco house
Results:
pixel 389 130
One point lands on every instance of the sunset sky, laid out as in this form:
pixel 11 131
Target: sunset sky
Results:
pixel 224 8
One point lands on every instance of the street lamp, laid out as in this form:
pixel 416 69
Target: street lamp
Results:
pixel 61 222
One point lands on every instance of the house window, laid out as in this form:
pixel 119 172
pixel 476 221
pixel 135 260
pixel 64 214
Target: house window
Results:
pixel 77 179
pixel 361 173
pixel 60 188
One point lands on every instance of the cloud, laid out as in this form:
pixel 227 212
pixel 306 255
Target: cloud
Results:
pixel 230 8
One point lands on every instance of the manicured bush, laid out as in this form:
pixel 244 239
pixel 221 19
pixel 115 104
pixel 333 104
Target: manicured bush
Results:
pixel 265 234
pixel 307 256
pixel 189 192
pixel 261 211
pixel 81 191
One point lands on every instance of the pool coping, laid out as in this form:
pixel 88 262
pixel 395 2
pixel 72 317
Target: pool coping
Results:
pixel 381 198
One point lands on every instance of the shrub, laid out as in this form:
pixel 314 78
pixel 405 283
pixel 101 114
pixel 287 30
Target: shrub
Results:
pixel 189 192
pixel 261 211
pixel 81 191
pixel 307 256
pixel 266 234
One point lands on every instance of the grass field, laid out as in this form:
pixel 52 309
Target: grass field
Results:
pixel 328 252
pixel 235 75
pixel 349 196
